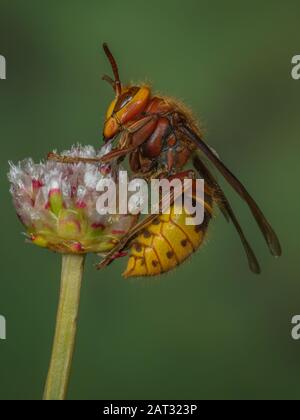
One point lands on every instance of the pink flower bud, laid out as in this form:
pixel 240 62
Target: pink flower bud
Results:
pixel 56 202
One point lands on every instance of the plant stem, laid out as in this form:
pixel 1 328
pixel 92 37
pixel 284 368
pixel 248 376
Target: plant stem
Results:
pixel 66 326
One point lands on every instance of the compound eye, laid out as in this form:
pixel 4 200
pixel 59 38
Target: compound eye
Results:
pixel 111 109
pixel 125 98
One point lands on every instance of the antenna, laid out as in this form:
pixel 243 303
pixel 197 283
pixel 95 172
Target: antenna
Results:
pixel 117 82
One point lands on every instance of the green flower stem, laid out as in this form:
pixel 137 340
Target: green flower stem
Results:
pixel 66 326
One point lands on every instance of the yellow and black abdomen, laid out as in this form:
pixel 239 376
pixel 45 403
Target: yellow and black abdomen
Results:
pixel 166 242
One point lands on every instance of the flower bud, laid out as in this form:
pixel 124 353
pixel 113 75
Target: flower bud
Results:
pixel 56 202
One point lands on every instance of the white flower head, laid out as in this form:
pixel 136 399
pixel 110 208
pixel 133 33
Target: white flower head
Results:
pixel 56 202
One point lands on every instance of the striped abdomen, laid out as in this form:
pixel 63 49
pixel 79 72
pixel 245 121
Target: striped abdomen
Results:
pixel 166 243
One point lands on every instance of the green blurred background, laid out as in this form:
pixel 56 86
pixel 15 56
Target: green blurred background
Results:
pixel 210 329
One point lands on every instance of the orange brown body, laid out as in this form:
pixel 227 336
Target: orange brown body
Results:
pixel 147 133
pixel 160 137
